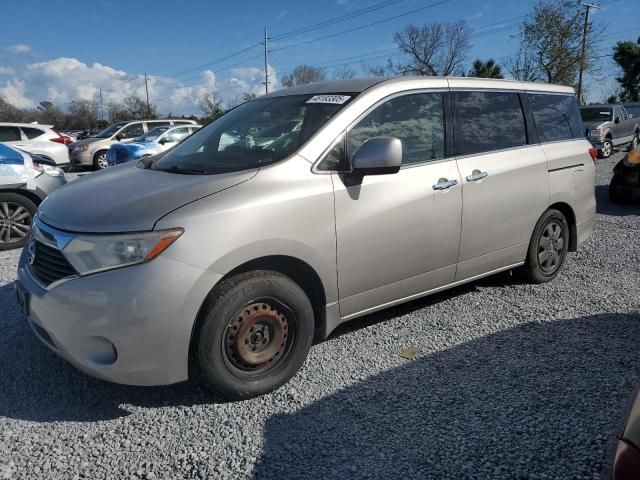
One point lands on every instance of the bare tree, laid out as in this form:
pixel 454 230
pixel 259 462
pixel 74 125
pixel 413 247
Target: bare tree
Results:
pixel 303 75
pixel 211 106
pixel 83 113
pixel 248 96
pixel 522 66
pixel 434 49
pixel 138 108
pixel 380 70
pixel 343 72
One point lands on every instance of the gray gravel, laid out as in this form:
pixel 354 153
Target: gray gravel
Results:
pixel 512 381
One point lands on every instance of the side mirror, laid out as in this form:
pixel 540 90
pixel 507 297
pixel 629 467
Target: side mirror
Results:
pixel 119 137
pixel 616 120
pixel 378 156
pixel 163 140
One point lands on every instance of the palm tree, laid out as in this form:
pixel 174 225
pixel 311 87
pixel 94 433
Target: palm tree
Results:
pixel 488 69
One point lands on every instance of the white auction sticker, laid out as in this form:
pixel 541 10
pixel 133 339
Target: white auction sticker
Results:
pixel 333 99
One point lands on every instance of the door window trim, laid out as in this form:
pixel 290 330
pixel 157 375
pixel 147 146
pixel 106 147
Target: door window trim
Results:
pixel 345 133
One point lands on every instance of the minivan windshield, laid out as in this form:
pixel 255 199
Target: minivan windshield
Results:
pixel 595 114
pixel 110 130
pixel 254 134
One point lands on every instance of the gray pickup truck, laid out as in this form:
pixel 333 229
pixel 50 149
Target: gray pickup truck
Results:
pixel 609 126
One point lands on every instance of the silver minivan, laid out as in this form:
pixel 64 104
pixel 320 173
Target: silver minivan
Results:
pixel 225 257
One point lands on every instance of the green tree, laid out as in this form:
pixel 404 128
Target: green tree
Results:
pixel 627 56
pixel 488 69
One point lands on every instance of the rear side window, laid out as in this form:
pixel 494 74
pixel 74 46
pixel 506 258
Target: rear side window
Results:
pixel 10 134
pixel 487 121
pixel 416 119
pixel 152 125
pixel 132 131
pixel 31 133
pixel 557 117
pixel 182 122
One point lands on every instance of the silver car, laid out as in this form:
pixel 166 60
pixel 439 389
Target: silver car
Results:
pixel 25 181
pixel 225 257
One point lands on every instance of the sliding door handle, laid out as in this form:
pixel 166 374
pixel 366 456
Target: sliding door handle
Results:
pixel 444 184
pixel 476 175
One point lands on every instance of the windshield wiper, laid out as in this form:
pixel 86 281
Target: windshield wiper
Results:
pixel 183 171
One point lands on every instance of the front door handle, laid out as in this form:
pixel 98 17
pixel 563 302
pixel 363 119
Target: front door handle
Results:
pixel 444 184
pixel 476 175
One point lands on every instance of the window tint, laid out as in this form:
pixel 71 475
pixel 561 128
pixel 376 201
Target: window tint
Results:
pixel 486 121
pixel 31 133
pixel 557 117
pixel 152 125
pixel 417 120
pixel 132 131
pixel 9 134
pixel 623 114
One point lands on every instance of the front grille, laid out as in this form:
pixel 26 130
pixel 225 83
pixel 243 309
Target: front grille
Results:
pixel 49 264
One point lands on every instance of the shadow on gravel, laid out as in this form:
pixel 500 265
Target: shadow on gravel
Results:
pixel 38 386
pixel 536 401
pixel 605 207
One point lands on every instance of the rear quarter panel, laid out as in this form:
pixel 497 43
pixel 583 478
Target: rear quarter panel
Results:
pixel 572 176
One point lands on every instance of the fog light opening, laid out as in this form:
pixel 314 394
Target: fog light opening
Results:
pixel 103 352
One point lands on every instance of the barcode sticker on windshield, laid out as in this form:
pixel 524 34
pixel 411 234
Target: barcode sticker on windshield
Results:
pixel 333 99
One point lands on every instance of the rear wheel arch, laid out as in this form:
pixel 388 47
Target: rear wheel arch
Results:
pixel 297 270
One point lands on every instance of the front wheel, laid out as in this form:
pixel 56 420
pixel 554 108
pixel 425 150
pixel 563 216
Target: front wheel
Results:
pixel 256 334
pixel 607 149
pixel 100 160
pixel 16 216
pixel 548 247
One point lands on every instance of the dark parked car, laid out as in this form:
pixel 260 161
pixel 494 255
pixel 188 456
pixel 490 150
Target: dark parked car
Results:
pixel 609 126
pixel 625 183
pixel 625 456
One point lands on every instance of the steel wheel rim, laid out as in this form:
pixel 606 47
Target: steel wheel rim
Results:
pixel 551 247
pixel 258 338
pixel 634 142
pixel 15 222
pixel 607 148
pixel 102 160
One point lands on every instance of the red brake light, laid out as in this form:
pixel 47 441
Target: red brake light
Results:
pixel 594 153
pixel 61 138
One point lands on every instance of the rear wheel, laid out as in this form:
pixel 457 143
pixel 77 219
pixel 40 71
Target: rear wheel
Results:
pixel 634 142
pixel 16 216
pixel 548 247
pixel 100 160
pixel 255 336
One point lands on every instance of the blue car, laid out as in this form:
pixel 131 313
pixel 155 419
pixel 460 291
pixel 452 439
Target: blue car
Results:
pixel 151 143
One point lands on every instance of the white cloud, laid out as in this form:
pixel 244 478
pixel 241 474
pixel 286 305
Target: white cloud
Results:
pixel 14 93
pixel 20 48
pixel 6 70
pixel 63 80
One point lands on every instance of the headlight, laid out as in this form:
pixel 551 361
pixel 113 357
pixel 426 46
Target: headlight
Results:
pixel 94 253
pixel 81 148
pixel 596 133
pixel 48 169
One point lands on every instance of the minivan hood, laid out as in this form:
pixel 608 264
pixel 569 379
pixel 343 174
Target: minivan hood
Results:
pixel 128 199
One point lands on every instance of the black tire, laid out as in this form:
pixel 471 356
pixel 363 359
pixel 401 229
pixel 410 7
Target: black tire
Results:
pixel 275 306
pixel 634 142
pixel 535 269
pixel 607 149
pixel 97 164
pixel 10 203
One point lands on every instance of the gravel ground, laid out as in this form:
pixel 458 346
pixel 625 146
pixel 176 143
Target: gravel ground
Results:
pixel 511 381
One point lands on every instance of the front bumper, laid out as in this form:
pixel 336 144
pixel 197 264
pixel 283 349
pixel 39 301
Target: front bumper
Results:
pixel 81 158
pixel 131 325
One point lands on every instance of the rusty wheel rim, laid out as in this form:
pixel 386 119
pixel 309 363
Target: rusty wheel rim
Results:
pixel 257 337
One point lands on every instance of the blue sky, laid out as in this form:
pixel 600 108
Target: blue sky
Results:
pixel 69 49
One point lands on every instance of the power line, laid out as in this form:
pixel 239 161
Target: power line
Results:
pixel 333 21
pixel 213 62
pixel 355 29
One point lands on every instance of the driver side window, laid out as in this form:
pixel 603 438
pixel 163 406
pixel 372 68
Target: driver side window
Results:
pixel 132 131
pixel 416 119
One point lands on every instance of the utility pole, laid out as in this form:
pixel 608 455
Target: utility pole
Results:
pixel 587 7
pixel 101 109
pixel 266 66
pixel 146 87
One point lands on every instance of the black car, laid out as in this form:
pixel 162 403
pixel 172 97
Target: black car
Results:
pixel 625 183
